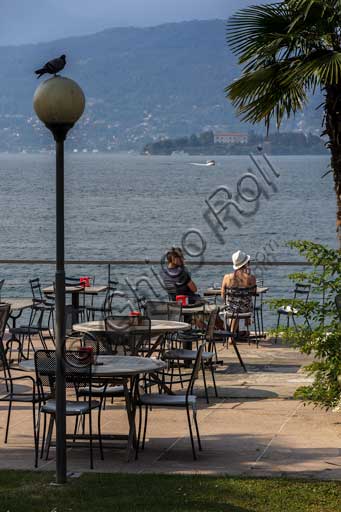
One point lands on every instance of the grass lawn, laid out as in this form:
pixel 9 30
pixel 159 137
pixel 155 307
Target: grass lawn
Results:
pixel 31 491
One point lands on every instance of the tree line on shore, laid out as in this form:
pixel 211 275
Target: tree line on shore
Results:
pixel 285 143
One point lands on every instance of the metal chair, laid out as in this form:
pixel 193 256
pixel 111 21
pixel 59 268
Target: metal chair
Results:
pixel 14 393
pixel 45 305
pixel 128 335
pixel 176 356
pixel 239 305
pixel 26 332
pixel 75 282
pixel 78 375
pixel 162 310
pixel 186 401
pixel 105 308
pixel 302 292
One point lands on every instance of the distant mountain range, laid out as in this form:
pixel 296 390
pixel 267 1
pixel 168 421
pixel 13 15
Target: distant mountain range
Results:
pixel 140 84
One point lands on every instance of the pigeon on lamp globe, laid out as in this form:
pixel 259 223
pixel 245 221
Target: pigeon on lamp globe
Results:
pixel 52 67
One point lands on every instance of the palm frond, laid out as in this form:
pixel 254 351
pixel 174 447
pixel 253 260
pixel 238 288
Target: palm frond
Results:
pixel 265 94
pixel 320 67
pixel 258 29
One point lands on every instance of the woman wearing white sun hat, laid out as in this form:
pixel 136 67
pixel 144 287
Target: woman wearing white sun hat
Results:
pixel 241 277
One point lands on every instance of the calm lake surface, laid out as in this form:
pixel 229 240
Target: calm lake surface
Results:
pixel 135 207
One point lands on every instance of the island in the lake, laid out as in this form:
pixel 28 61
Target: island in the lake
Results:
pixel 233 143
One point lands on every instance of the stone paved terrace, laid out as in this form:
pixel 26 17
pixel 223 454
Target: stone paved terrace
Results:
pixel 254 428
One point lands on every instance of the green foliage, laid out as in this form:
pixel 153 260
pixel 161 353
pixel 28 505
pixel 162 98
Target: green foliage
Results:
pixel 287 49
pixel 323 339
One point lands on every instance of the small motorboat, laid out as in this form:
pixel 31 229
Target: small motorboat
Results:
pixel 208 163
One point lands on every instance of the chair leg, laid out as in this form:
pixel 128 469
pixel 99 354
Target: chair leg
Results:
pixel 191 433
pixel 294 322
pixel 138 433
pixel 8 419
pixel 213 379
pixel 100 432
pixel 204 379
pixel 197 428
pixel 43 439
pixel 49 435
pixel 234 344
pixel 277 326
pixel 35 434
pixel 90 439
pixel 75 430
pixel 145 427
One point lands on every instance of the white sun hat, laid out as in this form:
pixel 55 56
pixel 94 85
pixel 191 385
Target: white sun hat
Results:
pixel 239 259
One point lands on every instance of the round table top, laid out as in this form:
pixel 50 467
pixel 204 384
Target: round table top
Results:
pixel 212 292
pixel 204 308
pixel 114 366
pixel 18 304
pixel 157 326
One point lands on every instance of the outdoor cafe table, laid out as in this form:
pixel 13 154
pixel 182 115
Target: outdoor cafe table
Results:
pixel 214 292
pixel 118 367
pixel 157 327
pixel 75 291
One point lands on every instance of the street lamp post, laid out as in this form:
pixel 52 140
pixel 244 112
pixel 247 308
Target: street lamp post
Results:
pixel 59 102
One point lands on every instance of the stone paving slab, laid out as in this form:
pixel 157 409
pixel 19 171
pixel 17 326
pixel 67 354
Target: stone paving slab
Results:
pixel 254 428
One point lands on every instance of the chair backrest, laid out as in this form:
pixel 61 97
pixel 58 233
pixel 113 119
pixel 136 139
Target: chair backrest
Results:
pixel 338 303
pixel 240 300
pixel 37 294
pixel 4 315
pixel 77 367
pixel 109 297
pixel 195 370
pixel 302 291
pixel 212 320
pixel 128 335
pixel 99 343
pixel 162 310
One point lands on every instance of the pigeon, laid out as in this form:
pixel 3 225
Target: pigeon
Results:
pixel 52 67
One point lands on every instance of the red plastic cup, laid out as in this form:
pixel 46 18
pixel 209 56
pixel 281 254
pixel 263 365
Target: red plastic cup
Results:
pixel 85 281
pixel 183 299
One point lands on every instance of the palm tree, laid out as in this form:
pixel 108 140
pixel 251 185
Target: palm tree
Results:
pixel 288 50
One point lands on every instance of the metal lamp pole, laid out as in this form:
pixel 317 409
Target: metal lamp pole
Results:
pixel 59 103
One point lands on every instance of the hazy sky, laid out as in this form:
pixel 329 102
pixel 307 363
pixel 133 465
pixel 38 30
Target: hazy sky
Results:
pixel 30 21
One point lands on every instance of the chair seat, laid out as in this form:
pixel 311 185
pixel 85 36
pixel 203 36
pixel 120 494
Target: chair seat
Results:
pixel 25 329
pixel 19 398
pixel 287 310
pixel 97 308
pixel 168 400
pixel 72 407
pixel 188 355
pixel 99 392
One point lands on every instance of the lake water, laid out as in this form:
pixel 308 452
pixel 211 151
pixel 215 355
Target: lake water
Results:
pixel 135 207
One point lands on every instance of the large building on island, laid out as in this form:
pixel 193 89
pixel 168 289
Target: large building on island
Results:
pixel 230 138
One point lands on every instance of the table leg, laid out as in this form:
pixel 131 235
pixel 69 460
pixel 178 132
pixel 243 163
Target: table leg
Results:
pixel 131 410
pixel 75 307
